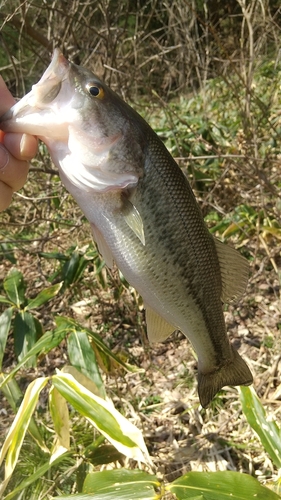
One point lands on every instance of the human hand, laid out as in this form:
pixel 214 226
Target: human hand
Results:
pixel 15 152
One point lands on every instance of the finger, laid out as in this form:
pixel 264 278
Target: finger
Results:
pixel 21 146
pixel 6 194
pixel 7 99
pixel 14 172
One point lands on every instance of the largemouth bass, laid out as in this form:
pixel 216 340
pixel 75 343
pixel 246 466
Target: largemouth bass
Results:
pixel 142 211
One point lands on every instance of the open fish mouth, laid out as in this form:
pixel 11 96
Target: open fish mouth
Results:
pixel 32 114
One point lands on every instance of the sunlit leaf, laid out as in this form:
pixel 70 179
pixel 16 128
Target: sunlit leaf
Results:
pixel 102 414
pixel 60 415
pixel 83 380
pixel 121 484
pixel 233 228
pixel 267 430
pixel 83 358
pixel 221 485
pixel 5 323
pixel 14 287
pixel 274 231
pixel 14 396
pixel 44 296
pixel 13 442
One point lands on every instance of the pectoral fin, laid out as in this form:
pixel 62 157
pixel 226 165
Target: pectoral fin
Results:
pixel 158 329
pixel 133 219
pixel 103 248
pixel 234 271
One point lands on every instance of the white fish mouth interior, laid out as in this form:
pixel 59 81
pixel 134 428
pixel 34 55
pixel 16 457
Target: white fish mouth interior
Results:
pixel 57 68
pixel 93 179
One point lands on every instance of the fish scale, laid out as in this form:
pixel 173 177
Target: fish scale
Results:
pixel 142 211
pixel 192 268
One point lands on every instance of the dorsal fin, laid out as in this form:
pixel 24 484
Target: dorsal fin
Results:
pixel 234 271
pixel 158 329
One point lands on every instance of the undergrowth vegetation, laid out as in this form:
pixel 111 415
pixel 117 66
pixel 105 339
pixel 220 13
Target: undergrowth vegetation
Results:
pixel 87 408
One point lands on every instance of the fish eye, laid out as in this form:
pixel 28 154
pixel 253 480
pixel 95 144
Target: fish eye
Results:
pixel 95 90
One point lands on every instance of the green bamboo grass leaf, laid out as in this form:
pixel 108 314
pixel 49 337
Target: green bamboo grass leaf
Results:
pixel 43 297
pixel 14 287
pixel 82 379
pixel 60 415
pixel 47 342
pixel 13 442
pixel 233 228
pixel 8 250
pixel 39 473
pixel 102 414
pixel 221 485
pixel 70 268
pixel 14 396
pixel 100 481
pixel 26 332
pixel 267 430
pixel 71 325
pixel 103 454
pixel 121 484
pixel 53 255
pixel 83 263
pixel 83 358
pixel 82 496
pixel 4 300
pixel 73 269
pixel 12 393
pixel 5 323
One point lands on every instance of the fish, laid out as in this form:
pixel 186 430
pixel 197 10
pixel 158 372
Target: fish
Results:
pixel 143 213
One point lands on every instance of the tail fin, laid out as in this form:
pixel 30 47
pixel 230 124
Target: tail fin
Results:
pixel 236 372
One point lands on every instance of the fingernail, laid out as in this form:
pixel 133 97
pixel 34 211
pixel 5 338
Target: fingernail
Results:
pixel 4 157
pixel 23 145
pixel 28 146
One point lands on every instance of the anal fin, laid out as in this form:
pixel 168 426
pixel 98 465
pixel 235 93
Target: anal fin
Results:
pixel 158 329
